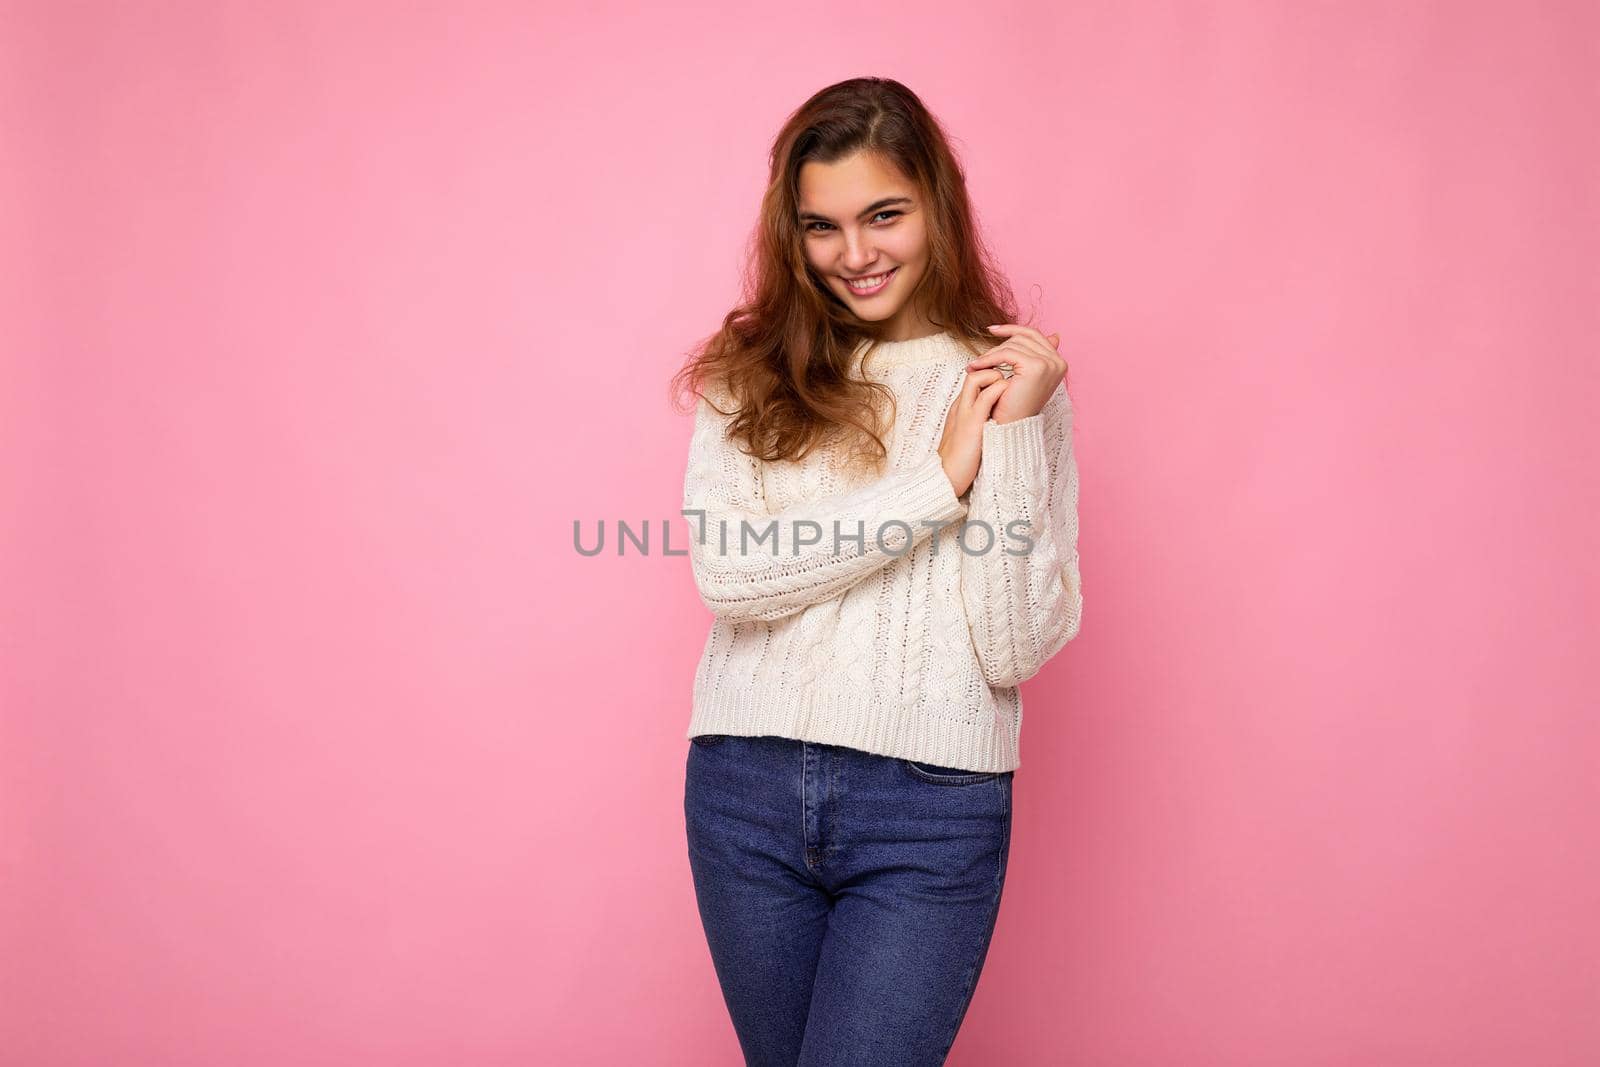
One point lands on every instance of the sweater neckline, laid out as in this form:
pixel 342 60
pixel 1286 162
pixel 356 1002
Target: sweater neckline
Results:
pixel 935 348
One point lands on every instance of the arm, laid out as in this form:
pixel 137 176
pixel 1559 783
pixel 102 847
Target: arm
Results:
pixel 749 563
pixel 1022 608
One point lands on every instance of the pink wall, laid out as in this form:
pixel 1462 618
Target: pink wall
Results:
pixel 322 745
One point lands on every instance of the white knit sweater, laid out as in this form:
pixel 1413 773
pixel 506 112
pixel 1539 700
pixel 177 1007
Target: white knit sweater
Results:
pixel 855 640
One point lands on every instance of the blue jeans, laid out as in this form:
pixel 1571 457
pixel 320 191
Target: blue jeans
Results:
pixel 847 898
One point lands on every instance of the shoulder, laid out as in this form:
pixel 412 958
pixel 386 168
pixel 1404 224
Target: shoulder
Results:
pixel 716 400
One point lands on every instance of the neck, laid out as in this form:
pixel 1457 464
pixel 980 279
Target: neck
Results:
pixel 909 324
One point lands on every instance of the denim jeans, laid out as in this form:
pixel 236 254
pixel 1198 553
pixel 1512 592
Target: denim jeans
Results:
pixel 847 898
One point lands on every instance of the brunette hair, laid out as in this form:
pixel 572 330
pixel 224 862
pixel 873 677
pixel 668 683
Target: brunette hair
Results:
pixel 782 356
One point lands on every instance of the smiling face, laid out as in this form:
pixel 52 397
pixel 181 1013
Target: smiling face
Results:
pixel 862 219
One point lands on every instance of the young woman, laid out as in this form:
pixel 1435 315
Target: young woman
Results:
pixel 855 723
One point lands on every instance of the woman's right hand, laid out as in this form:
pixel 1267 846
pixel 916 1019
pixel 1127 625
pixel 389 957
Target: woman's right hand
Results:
pixel 961 447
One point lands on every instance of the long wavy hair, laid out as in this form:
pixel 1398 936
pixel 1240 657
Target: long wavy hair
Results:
pixel 783 355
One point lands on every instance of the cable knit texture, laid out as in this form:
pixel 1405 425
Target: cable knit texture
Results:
pixel 902 644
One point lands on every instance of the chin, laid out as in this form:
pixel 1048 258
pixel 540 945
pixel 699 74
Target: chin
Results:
pixel 875 314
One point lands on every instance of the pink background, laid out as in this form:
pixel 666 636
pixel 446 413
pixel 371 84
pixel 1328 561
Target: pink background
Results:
pixel 322 324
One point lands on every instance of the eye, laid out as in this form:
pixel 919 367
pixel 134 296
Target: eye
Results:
pixel 811 227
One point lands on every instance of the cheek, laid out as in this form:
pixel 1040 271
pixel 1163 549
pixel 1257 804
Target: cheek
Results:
pixel 815 258
pixel 908 248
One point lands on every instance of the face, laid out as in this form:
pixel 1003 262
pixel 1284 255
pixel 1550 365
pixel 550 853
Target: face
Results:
pixel 861 218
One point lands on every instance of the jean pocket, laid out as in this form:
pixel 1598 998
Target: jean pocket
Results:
pixel 930 772
pixel 708 739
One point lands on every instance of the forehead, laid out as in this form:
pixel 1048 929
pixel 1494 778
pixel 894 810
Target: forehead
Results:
pixel 845 186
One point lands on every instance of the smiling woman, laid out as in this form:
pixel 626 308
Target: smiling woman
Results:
pixel 865 655
pixel 867 204
pixel 884 244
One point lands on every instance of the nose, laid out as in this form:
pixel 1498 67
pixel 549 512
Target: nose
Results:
pixel 858 255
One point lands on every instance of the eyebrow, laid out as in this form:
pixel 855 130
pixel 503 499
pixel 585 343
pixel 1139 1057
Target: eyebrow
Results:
pixel 871 209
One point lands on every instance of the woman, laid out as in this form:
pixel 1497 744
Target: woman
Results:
pixel 855 723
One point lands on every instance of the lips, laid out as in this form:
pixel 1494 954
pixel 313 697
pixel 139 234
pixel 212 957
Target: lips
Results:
pixel 883 280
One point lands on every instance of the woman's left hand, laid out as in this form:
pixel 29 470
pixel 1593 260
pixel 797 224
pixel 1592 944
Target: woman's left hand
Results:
pixel 1037 369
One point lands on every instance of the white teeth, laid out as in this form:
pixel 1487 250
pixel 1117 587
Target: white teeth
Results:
pixel 868 283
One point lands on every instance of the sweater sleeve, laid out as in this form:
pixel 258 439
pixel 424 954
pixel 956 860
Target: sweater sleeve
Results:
pixel 751 563
pixel 1024 600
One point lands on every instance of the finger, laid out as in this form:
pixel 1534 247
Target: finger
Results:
pixel 1037 346
pixel 1029 339
pixel 989 395
pixel 1021 352
pixel 1010 352
pixel 994 357
pixel 1016 330
pixel 976 381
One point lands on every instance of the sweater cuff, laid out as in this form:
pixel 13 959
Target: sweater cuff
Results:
pixel 1018 446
